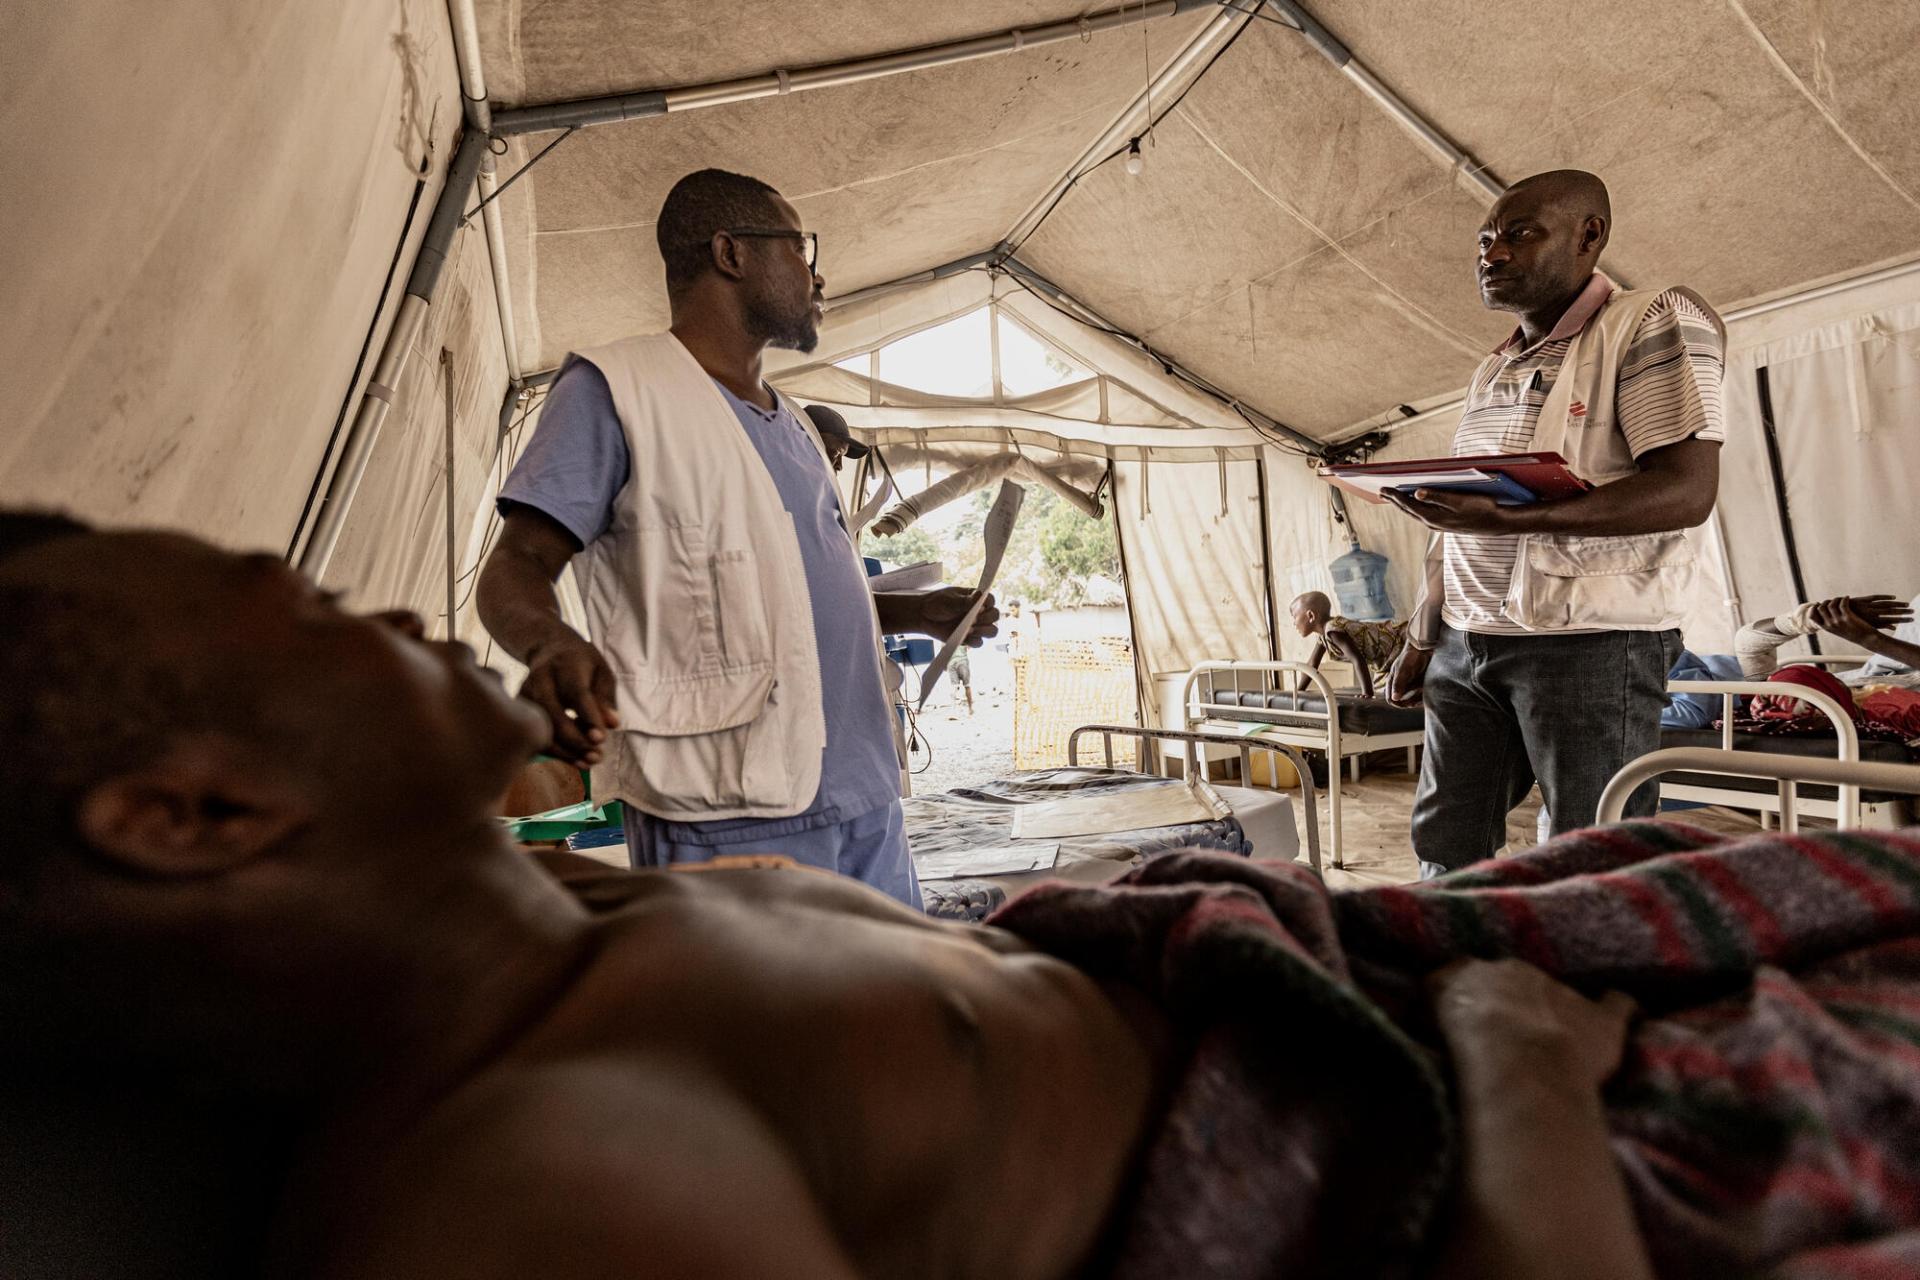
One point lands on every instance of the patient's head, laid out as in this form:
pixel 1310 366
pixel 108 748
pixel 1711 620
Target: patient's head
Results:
pixel 169 711
pixel 1310 611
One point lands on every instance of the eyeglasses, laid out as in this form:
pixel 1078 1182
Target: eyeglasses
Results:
pixel 809 240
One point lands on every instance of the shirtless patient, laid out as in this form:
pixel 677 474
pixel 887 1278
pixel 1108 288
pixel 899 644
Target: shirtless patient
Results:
pixel 253 850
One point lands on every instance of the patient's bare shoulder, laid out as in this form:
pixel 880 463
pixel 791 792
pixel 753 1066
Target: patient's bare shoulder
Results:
pixel 590 1168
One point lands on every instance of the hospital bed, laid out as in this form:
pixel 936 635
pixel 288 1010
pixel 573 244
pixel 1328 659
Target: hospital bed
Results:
pixel 1787 774
pixel 976 826
pixel 1847 804
pixel 1248 700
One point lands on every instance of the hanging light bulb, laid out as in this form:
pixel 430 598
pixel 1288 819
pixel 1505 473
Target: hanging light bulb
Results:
pixel 1133 157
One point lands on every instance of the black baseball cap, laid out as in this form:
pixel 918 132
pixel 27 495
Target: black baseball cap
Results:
pixel 829 423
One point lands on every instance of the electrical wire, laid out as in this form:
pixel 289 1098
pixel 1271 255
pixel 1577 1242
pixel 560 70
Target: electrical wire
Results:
pixel 503 463
pixel 914 735
pixel 517 175
pixel 1153 122
pixel 1259 11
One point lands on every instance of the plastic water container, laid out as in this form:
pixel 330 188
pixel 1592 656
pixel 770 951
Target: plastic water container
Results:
pixel 1360 585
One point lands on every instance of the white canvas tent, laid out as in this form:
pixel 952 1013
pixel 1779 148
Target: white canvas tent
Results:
pixel 215 217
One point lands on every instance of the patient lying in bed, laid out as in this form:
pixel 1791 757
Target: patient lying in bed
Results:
pixel 254 861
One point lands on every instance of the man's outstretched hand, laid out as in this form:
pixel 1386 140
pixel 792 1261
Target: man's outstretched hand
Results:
pixel 570 681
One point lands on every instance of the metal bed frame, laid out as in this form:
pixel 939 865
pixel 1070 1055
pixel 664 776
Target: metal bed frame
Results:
pixel 1326 736
pixel 1788 771
pixel 1845 809
pixel 1193 742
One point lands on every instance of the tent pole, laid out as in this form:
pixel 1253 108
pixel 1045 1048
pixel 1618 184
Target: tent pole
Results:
pixel 377 399
pixel 940 272
pixel 582 112
pixel 1330 48
pixel 473 91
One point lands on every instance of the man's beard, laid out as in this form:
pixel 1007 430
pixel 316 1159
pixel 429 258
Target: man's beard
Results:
pixel 790 331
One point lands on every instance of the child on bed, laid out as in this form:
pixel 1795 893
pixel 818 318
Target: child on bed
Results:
pixel 1370 646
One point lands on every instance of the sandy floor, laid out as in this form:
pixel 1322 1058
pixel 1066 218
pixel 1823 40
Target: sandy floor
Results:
pixel 1375 814
pixel 966 749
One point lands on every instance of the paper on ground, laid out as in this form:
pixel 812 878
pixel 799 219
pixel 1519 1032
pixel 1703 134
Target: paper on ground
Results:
pixel 1096 815
pixel 992 860
pixel 999 528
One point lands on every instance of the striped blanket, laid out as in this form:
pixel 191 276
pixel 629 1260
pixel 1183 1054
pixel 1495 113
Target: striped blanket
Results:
pixel 1766 1116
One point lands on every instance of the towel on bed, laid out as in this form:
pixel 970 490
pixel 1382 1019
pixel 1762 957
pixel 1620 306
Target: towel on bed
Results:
pixel 1766 1115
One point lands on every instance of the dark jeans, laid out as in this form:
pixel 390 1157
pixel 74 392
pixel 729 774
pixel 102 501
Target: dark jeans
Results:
pixel 1506 711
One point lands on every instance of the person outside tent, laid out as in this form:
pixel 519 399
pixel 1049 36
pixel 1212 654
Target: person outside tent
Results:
pixel 835 436
pixel 960 679
pixel 1544 632
pixel 731 694
pixel 1368 646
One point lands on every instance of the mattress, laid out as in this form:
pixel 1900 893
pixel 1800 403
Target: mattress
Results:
pixel 1357 715
pixel 982 817
pixel 1821 748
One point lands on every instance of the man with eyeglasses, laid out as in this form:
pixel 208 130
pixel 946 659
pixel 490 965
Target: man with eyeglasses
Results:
pixel 731 694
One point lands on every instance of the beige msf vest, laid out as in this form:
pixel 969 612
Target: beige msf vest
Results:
pixel 697 596
pixel 1633 582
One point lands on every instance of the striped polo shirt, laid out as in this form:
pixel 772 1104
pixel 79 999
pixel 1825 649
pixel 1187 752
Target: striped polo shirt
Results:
pixel 1669 391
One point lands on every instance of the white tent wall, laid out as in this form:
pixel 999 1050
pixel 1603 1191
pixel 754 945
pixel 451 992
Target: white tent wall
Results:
pixel 393 549
pixel 203 202
pixel 1196 572
pixel 1844 376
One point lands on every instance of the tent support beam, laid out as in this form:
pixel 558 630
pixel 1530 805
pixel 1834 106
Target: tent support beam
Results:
pixel 377 399
pixel 582 112
pixel 985 258
pixel 473 93
pixel 1329 47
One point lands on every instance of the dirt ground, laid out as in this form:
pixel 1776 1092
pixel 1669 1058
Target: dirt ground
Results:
pixel 967 749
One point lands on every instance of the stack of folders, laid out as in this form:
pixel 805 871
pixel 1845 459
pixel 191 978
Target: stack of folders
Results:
pixel 1511 480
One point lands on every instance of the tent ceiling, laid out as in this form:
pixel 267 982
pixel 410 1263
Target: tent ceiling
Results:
pixel 1287 240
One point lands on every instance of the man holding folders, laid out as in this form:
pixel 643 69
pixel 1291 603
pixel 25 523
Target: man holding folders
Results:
pixel 1542 639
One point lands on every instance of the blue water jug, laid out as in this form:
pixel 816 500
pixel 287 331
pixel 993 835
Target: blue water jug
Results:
pixel 1360 585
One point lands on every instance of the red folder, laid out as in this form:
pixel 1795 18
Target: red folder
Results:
pixel 1544 474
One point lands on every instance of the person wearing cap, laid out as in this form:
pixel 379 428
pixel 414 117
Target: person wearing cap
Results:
pixel 731 695
pixel 835 437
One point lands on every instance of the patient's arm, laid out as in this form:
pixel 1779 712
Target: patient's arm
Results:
pixel 1541 1195
pixel 1319 653
pixel 1342 645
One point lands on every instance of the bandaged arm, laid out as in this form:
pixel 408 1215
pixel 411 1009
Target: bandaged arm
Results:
pixel 1757 645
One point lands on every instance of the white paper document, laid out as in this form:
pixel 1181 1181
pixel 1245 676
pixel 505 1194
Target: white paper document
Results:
pixel 1104 813
pixel 993 860
pixel 999 528
pixel 914 577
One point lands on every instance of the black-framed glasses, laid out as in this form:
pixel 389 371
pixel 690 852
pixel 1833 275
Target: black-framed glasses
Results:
pixel 809 240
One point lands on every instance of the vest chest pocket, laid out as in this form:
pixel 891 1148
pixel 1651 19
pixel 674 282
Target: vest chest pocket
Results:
pixel 1637 582
pixel 744 639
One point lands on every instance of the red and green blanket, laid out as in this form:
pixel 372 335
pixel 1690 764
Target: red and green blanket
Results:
pixel 1767 1114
